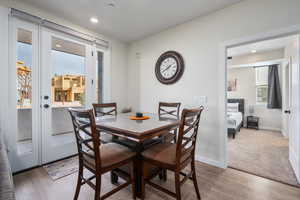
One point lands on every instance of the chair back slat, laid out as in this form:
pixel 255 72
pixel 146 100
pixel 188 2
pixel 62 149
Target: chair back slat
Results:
pixel 104 109
pixel 87 136
pixel 187 136
pixel 169 110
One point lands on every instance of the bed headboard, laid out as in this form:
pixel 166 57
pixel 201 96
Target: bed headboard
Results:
pixel 241 105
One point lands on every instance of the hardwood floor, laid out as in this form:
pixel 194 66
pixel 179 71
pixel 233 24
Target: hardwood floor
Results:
pixel 214 184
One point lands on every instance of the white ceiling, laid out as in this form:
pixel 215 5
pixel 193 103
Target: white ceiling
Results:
pixel 130 20
pixel 266 45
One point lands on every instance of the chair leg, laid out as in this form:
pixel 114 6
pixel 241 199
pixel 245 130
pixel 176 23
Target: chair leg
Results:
pixel 132 176
pixel 175 136
pixel 160 174
pixel 195 180
pixel 114 178
pixel 177 185
pixel 163 174
pixel 80 172
pixel 143 182
pixel 98 187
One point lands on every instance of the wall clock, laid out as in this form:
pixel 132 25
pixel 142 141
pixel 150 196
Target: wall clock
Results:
pixel 169 67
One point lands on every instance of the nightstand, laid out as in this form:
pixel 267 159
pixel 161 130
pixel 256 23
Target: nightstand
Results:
pixel 252 122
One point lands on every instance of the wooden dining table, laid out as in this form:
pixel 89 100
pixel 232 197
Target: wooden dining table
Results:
pixel 137 132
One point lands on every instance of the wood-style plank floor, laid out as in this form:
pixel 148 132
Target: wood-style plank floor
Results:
pixel 214 184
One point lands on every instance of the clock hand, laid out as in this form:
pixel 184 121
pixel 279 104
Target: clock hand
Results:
pixel 167 68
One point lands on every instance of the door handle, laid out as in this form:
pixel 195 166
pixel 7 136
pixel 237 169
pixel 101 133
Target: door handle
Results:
pixel 46 106
pixel 287 112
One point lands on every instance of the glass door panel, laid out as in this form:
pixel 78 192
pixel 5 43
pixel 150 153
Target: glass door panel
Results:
pixel 99 78
pixel 67 82
pixel 24 91
pixel 101 73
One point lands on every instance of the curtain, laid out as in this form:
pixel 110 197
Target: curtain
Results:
pixel 274 90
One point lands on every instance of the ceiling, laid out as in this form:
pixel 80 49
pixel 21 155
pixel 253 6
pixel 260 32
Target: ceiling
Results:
pixel 266 45
pixel 129 20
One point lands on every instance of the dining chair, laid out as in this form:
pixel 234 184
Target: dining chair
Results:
pixel 105 109
pixel 176 157
pixel 169 111
pixel 96 157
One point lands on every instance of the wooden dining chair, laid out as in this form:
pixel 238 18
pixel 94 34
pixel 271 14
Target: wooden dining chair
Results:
pixel 176 157
pixel 96 157
pixel 169 111
pixel 105 109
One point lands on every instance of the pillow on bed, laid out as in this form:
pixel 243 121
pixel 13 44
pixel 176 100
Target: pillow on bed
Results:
pixel 233 107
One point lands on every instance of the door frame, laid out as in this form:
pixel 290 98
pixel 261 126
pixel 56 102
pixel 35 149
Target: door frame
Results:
pixel 222 85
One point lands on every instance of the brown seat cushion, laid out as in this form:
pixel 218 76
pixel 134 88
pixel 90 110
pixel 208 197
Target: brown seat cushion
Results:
pixel 164 154
pixel 111 154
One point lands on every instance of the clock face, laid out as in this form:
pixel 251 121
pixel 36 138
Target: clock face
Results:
pixel 169 67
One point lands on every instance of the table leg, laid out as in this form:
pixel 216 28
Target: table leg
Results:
pixel 139 171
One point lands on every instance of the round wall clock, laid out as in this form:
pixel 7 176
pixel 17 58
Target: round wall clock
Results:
pixel 169 67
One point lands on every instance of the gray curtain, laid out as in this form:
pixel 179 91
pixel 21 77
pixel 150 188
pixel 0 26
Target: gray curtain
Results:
pixel 274 90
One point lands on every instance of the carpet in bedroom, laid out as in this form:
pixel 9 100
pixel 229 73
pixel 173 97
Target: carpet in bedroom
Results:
pixel 261 152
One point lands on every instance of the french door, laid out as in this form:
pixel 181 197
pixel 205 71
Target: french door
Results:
pixel 64 84
pixel 50 72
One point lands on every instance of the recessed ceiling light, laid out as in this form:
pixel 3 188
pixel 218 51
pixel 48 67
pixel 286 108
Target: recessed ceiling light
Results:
pixel 58 45
pixel 111 5
pixel 94 20
pixel 253 51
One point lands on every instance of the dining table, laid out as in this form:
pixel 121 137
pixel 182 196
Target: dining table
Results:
pixel 137 135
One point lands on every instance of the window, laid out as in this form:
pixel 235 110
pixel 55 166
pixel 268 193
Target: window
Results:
pixel 261 94
pixel 261 74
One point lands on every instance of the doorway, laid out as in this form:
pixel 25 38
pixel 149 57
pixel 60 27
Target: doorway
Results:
pixel 269 149
pixel 49 72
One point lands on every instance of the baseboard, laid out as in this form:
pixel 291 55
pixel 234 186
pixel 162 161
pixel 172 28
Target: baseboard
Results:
pixel 269 128
pixel 294 160
pixel 210 161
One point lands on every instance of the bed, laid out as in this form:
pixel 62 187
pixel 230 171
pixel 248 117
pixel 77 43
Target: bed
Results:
pixel 235 115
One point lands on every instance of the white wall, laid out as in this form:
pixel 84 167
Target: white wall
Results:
pixel 199 41
pixel 269 119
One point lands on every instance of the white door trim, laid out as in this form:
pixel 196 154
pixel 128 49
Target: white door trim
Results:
pixel 222 86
